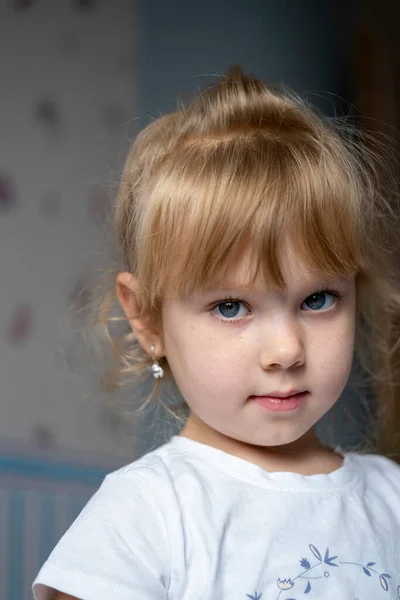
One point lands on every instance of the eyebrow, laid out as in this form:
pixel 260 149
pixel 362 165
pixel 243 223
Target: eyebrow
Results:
pixel 317 283
pixel 228 287
pixel 231 289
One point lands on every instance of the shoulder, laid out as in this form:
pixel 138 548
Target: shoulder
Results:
pixel 377 468
pixel 123 532
pixel 133 504
pixel 155 467
pixel 157 473
pixel 376 462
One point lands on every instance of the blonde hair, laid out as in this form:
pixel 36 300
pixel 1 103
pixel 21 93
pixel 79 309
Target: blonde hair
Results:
pixel 244 166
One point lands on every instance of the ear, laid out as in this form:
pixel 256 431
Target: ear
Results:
pixel 142 326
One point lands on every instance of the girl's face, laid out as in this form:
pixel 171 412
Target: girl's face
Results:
pixel 227 346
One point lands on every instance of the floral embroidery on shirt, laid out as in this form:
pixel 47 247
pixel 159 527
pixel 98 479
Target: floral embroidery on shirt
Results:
pixel 328 563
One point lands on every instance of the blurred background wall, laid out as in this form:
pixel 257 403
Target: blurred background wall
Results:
pixel 69 76
pixel 307 44
pixel 68 97
pixel 79 78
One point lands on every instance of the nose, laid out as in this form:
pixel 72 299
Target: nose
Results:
pixel 283 349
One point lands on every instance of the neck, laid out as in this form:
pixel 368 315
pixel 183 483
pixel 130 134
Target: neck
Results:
pixel 305 455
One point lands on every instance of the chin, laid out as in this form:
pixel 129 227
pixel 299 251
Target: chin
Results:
pixel 277 442
pixel 269 441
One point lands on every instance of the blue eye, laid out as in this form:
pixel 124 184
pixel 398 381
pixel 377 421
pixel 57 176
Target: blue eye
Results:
pixel 230 309
pixel 321 300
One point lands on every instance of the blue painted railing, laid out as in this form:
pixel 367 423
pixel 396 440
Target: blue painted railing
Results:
pixel 39 499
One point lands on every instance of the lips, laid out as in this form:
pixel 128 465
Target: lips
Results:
pixel 285 402
pixel 281 395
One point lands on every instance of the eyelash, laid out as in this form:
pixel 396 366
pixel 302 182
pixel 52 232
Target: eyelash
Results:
pixel 337 295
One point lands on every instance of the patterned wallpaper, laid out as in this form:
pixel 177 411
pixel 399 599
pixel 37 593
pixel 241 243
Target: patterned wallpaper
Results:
pixel 67 110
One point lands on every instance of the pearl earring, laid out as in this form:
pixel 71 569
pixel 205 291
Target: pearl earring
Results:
pixel 156 369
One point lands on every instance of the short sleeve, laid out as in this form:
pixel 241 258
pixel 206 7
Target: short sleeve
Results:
pixel 117 549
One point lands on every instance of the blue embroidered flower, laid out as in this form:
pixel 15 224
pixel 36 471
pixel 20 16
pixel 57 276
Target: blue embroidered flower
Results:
pixel 313 571
pixel 255 597
pixel 305 564
pixel 328 559
pixel 285 584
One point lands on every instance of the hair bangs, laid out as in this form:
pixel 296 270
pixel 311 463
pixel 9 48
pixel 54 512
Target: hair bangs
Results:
pixel 214 199
pixel 318 209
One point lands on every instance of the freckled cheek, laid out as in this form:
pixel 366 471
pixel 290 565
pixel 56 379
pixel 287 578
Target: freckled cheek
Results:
pixel 326 359
pixel 331 363
pixel 204 360
pixel 214 355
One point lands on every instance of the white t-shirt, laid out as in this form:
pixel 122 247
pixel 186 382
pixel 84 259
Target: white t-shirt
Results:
pixel 189 522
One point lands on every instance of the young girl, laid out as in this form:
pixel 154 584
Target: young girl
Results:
pixel 257 249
